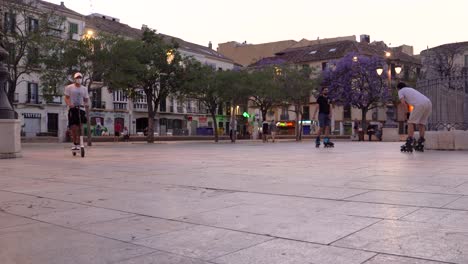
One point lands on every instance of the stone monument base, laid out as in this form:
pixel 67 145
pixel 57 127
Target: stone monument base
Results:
pixel 390 134
pixel 10 138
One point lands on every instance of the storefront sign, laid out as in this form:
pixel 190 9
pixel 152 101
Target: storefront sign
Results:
pixel 285 124
pixel 31 115
pixel 203 119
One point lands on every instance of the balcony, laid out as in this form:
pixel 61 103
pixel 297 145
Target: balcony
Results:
pixel 180 109
pixel 33 99
pixel 140 107
pixel 98 104
pixel 120 106
pixel 192 110
pixel 55 99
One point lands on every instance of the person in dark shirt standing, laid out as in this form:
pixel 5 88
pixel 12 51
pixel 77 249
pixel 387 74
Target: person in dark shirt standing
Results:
pixel 324 117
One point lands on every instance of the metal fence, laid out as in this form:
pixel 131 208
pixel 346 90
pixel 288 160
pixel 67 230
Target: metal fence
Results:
pixel 449 98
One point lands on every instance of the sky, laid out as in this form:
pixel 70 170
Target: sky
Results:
pixel 418 23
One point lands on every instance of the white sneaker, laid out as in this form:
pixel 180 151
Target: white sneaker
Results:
pixel 76 147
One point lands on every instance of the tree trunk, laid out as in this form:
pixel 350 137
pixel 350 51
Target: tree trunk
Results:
pixel 264 113
pixel 151 114
pixel 363 119
pixel 215 132
pixel 298 127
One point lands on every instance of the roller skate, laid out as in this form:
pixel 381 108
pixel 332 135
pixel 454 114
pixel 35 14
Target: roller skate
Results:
pixel 317 142
pixel 408 146
pixel 419 145
pixel 327 143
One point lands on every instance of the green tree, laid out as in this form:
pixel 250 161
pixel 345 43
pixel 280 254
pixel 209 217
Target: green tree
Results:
pixel 151 65
pixel 25 30
pixel 211 87
pixel 60 58
pixel 297 87
pixel 264 89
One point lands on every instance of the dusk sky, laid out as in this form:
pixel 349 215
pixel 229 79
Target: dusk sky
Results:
pixel 419 23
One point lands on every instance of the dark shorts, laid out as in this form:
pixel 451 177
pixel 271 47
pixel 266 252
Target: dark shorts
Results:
pixel 117 134
pixel 74 115
pixel 324 120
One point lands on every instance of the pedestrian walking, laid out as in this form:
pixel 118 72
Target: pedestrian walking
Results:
pixel 117 130
pixel 265 127
pixel 273 130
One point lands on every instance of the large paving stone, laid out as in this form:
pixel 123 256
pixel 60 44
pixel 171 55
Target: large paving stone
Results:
pixel 387 259
pixel 132 228
pixel 162 258
pixel 310 226
pixel 281 251
pixel 202 242
pixel 8 220
pixel 48 244
pixel 406 198
pixel 412 239
pixel 81 216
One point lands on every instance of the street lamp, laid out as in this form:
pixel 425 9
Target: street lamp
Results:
pixel 389 122
pixel 170 56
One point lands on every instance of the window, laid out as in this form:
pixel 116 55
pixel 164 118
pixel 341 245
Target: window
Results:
pixel 324 65
pixel 10 23
pixel 305 113
pixel 33 93
pixel 347 112
pixel 33 24
pixel 33 56
pixel 72 28
pixel 220 109
pixel 162 105
pixel 119 96
pixel 11 48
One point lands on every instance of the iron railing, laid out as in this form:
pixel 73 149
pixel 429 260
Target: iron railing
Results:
pixel 449 97
pixel 446 126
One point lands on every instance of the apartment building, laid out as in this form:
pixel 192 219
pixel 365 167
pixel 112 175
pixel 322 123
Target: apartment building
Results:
pixel 174 117
pixel 320 56
pixel 39 115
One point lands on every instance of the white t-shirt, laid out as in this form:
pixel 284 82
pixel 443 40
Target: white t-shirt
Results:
pixel 76 94
pixel 412 96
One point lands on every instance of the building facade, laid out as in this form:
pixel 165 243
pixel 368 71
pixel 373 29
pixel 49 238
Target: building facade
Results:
pixel 322 56
pixel 39 115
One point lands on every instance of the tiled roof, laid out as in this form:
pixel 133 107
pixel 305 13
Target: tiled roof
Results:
pixel 59 8
pixel 336 50
pixel 450 46
pixel 112 27
pixel 195 48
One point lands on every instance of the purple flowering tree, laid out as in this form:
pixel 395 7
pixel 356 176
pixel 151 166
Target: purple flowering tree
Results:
pixel 353 81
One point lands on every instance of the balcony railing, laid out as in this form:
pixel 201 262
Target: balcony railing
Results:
pixel 33 99
pixel 120 106
pixel 56 99
pixel 192 110
pixel 180 109
pixel 140 106
pixel 98 104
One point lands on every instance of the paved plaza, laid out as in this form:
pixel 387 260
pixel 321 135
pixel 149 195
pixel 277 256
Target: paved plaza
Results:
pixel 243 203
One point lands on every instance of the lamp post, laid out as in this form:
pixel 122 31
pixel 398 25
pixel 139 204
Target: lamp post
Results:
pixel 390 120
pixel 10 125
pixel 390 129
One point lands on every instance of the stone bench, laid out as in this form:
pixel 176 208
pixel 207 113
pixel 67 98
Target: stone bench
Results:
pixel 447 140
